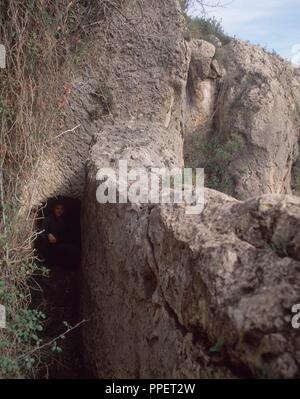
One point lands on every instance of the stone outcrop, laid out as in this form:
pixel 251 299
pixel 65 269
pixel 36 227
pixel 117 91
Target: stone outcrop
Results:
pixel 166 294
pixel 160 288
pixel 158 302
pixel 257 99
pixel 201 88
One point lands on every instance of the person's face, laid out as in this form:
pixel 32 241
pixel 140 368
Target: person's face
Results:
pixel 59 210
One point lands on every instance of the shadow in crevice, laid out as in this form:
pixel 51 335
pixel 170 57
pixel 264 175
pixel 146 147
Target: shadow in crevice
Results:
pixel 71 218
pixel 58 296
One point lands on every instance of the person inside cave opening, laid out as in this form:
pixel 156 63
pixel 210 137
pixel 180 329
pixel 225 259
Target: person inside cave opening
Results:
pixel 58 246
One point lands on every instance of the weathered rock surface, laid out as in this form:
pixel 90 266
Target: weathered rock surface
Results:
pixel 201 58
pixel 140 74
pixel 255 95
pixel 158 301
pixel 201 88
pixel 259 100
pixel 160 288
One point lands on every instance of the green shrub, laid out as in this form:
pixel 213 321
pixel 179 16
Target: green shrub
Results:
pixel 40 38
pixel 215 156
pixel 43 40
pixel 204 28
pixel 24 326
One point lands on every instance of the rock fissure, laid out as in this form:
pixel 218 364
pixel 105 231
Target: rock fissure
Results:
pixel 159 286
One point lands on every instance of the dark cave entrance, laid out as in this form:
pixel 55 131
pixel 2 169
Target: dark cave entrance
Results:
pixel 59 292
pixel 71 228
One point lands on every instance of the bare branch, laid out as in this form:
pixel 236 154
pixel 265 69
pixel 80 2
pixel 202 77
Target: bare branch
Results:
pixel 201 5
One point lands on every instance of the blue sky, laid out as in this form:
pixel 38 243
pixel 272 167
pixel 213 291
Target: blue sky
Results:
pixel 274 24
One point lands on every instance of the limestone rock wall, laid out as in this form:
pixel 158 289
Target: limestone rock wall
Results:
pixel 160 288
pixel 259 101
pixel 136 71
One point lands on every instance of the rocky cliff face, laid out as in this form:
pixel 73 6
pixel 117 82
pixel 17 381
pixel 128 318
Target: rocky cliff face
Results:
pixel 160 300
pixel 244 93
pixel 260 100
pixel 160 288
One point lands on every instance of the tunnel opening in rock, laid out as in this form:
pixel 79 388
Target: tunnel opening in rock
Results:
pixel 65 250
pixel 58 290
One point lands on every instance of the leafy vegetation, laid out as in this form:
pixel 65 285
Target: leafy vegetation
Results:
pixel 23 325
pixel 207 28
pixel 43 40
pixel 204 27
pixel 215 156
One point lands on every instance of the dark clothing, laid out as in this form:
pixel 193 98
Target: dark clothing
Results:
pixel 56 226
pixel 63 253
